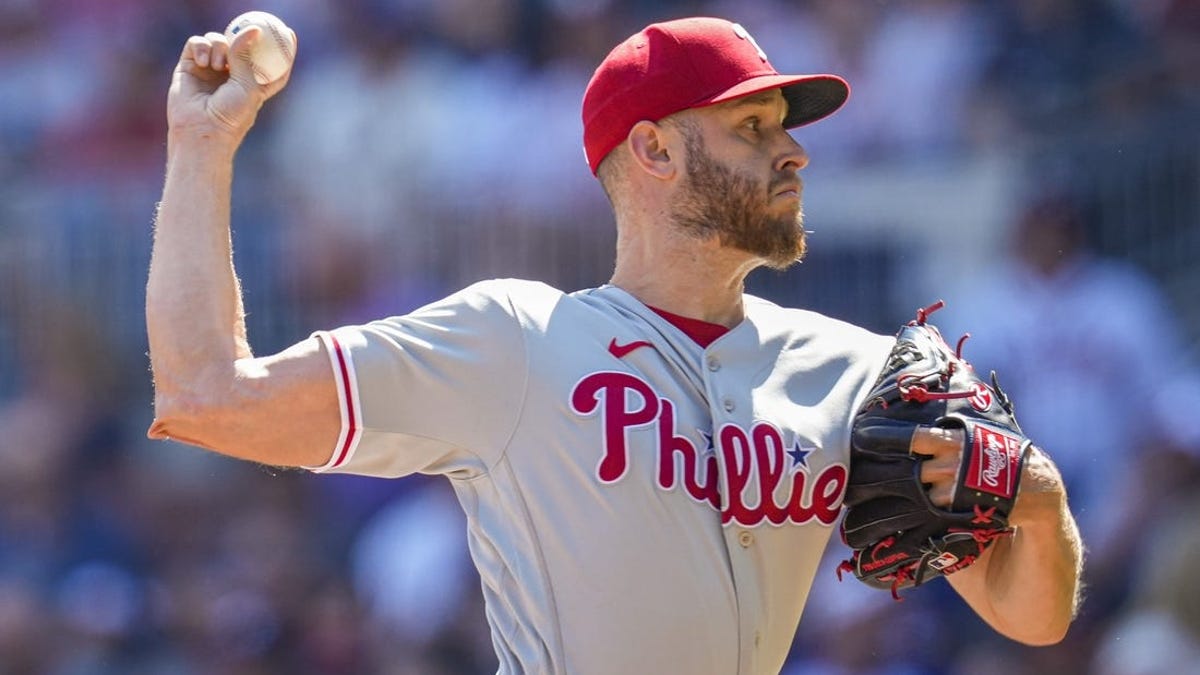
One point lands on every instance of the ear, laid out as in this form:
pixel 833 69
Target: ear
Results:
pixel 651 146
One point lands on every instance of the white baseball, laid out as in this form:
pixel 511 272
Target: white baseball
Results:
pixel 275 51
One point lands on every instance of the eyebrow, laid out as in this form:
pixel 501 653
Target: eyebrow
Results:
pixel 760 98
pixel 756 99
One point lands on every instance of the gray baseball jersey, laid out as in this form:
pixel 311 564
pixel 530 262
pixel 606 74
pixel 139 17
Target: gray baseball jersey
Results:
pixel 635 503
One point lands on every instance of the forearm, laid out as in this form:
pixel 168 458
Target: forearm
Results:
pixel 194 315
pixel 1026 586
pixel 281 409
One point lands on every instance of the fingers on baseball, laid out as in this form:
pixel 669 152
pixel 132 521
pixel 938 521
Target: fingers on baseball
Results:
pixel 195 52
pixel 207 52
pixel 242 69
pixel 243 42
pixel 218 52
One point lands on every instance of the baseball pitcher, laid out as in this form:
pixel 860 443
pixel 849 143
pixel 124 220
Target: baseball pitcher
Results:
pixel 650 469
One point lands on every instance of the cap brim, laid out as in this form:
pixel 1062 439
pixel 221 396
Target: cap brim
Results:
pixel 809 97
pixel 813 98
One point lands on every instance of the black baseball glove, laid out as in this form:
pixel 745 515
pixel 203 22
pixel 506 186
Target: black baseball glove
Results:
pixel 898 536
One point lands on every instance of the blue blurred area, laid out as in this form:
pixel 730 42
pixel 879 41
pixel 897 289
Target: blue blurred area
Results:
pixel 424 144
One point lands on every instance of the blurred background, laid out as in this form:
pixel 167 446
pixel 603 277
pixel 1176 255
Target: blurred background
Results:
pixel 1034 162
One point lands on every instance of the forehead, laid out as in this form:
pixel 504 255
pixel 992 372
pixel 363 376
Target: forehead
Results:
pixel 750 103
pixel 757 98
pixel 770 97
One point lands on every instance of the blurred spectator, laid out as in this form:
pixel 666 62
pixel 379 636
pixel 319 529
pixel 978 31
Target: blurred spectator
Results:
pixel 1161 631
pixel 1096 364
pixel 415 578
pixel 1062 66
pixel 913 67
pixel 409 565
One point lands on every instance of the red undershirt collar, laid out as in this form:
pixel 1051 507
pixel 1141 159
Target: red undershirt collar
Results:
pixel 702 333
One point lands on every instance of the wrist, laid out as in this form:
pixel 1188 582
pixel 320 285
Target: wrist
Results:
pixel 1036 510
pixel 1042 497
pixel 209 141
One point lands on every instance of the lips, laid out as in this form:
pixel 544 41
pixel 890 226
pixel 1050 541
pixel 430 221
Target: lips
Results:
pixel 787 188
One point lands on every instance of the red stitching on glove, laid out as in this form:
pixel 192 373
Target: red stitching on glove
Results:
pixel 982 537
pixel 846 566
pixel 901 576
pixel 920 393
pixel 924 312
pixel 886 543
pixel 983 517
pixel 958 348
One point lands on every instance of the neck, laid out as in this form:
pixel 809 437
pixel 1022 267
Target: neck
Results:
pixel 695 278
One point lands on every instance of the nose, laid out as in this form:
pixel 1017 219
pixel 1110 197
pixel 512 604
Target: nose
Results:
pixel 793 157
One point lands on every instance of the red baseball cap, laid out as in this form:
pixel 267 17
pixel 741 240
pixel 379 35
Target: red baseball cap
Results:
pixel 691 63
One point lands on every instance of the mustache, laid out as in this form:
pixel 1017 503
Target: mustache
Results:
pixel 781 183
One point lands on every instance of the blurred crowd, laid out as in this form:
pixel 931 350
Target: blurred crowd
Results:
pixel 425 144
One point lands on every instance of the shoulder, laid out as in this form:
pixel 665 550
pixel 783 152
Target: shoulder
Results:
pixel 801 328
pixel 497 299
pixel 535 306
pixel 816 352
pixel 488 310
pixel 507 292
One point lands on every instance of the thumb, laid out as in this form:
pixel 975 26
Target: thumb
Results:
pixel 241 66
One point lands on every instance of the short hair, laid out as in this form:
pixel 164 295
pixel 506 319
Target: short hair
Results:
pixel 612 171
pixel 612 174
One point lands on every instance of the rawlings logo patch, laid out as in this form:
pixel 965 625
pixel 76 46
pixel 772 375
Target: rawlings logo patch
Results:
pixel 994 458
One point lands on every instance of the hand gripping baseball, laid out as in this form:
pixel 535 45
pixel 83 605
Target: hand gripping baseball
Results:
pixel 898 535
pixel 213 90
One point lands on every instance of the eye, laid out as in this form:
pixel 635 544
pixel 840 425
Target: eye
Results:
pixel 753 124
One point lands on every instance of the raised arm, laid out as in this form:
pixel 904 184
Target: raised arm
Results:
pixel 210 390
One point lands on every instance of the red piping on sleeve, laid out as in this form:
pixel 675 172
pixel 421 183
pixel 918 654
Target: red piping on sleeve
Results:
pixel 351 426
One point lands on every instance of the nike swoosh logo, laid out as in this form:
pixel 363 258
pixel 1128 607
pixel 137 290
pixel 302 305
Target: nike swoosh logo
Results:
pixel 621 351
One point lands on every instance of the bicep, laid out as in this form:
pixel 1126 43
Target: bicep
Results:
pixel 280 410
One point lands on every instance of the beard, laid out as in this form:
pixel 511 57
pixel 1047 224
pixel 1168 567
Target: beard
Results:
pixel 718 201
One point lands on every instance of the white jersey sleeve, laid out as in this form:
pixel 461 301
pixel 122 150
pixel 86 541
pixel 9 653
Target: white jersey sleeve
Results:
pixel 436 391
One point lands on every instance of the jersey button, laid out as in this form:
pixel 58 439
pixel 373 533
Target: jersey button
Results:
pixel 728 404
pixel 714 364
pixel 745 539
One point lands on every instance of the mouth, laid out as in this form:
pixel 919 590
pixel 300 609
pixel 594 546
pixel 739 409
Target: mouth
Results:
pixel 788 189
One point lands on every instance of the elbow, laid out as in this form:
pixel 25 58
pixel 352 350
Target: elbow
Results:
pixel 1045 633
pixel 171 413
pixel 1039 621
pixel 1046 637
pixel 193 401
pixel 185 417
